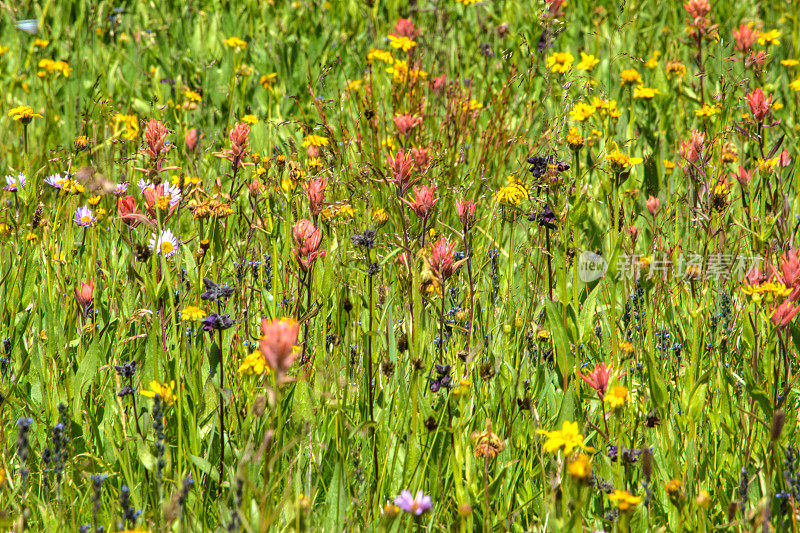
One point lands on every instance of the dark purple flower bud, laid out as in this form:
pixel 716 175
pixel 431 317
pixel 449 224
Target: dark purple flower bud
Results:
pixel 545 218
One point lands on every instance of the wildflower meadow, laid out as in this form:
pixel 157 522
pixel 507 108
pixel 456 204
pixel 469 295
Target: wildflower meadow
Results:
pixel 384 265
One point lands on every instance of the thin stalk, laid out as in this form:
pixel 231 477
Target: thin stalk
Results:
pixel 441 327
pixel 221 413
pixel 370 386
pixel 468 253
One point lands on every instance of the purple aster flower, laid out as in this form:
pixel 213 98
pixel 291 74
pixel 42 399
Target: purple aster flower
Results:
pixel 120 189
pixel 85 217
pixel 174 193
pixel 144 184
pixel 55 180
pixel 417 504
pixel 13 183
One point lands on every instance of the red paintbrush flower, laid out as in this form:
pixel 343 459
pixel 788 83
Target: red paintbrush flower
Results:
pixel 315 192
pixel 759 104
pixel 423 202
pixel 466 212
pixel 401 166
pixel 598 378
pixel 277 344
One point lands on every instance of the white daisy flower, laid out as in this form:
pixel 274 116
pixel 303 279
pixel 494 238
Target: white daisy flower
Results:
pixel 165 244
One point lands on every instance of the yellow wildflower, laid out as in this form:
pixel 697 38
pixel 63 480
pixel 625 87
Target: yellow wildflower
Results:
pixel 512 193
pixel 192 96
pixel 560 62
pixel 48 66
pixel 23 113
pixel 346 211
pixel 388 142
pixel 130 123
pixel 587 62
pixel 617 397
pixel 380 55
pixel 254 364
pixel 567 437
pixel 314 140
pixel 620 161
pixel 574 139
pixel 580 467
pixel 380 216
pixel 72 186
pixel 192 313
pixel 675 69
pixel 653 61
pixel 769 37
pixel 646 93
pixel 609 106
pixel 267 81
pixel 674 487
pixel 703 499
pixel 165 392
pixel 401 42
pixel 401 73
pixel 630 77
pixel 250 119
pixel 766 165
pixel 81 142
pixel 234 42
pixel 625 500
pixel 707 111
pixel 463 389
pixel 790 62
pixel 581 111
pixel 770 289
pixel 795 85
pixel 472 105
pixel 355 85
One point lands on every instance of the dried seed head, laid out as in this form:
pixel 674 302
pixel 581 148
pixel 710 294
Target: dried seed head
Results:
pixel 487 371
pixel 646 456
pixel 387 367
pixel 37 216
pixel 142 252
pixel 259 405
pixel 778 420
pixel 402 343
pixel 430 423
